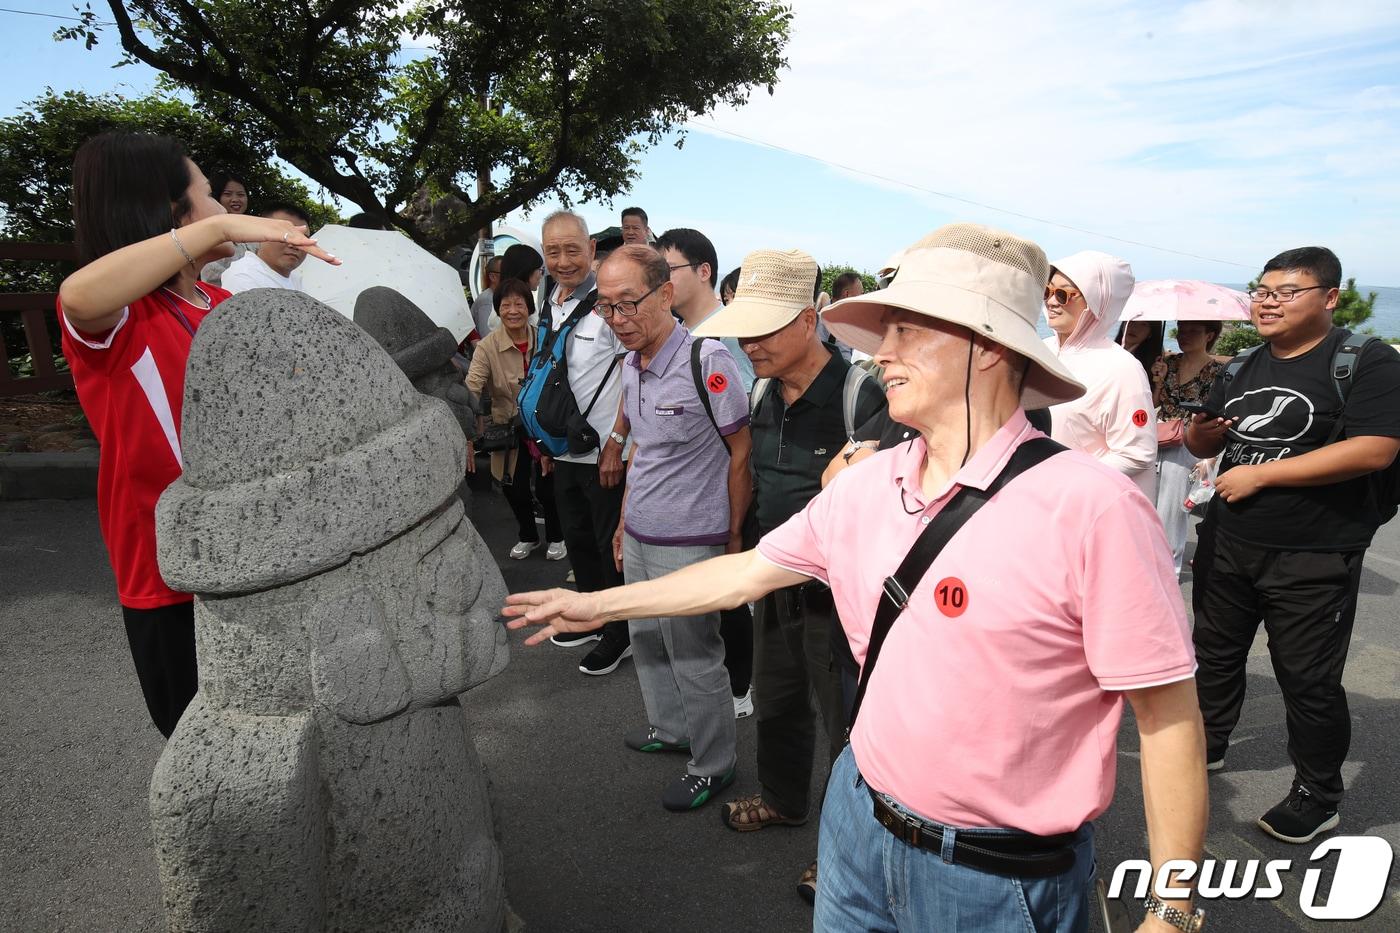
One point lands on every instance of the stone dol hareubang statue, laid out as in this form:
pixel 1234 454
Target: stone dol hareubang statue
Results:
pixel 323 777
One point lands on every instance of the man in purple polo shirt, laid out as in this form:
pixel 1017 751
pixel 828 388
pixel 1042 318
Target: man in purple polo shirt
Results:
pixel 688 489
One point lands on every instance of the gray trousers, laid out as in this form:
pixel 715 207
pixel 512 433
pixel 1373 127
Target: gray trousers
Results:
pixel 680 664
pixel 1173 482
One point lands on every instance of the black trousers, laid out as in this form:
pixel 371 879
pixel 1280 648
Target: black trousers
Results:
pixel 162 646
pixel 792 662
pixel 517 488
pixel 736 630
pixel 588 515
pixel 1307 601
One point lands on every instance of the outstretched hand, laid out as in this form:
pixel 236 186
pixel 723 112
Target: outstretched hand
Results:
pixel 558 610
pixel 241 228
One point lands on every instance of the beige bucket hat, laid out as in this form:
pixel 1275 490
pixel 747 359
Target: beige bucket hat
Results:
pixel 775 286
pixel 986 280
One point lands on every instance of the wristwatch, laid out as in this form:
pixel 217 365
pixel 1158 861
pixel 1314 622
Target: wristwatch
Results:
pixel 618 437
pixel 1189 923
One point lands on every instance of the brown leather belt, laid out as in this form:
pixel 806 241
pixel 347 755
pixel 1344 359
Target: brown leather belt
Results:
pixel 1019 855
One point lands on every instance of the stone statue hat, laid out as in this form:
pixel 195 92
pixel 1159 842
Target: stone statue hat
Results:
pixel 417 344
pixel 303 444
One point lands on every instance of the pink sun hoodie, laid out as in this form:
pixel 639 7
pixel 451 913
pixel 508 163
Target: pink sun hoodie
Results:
pixel 1113 421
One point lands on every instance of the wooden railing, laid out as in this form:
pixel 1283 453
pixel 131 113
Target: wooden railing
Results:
pixel 33 309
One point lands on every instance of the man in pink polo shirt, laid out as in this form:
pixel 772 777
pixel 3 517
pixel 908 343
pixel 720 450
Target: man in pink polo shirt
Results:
pixel 985 740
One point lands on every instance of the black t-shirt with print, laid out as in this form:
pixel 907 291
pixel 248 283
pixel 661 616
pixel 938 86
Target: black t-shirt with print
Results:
pixel 1286 408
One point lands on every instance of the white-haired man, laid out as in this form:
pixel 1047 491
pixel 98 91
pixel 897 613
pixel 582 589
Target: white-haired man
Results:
pixel 986 745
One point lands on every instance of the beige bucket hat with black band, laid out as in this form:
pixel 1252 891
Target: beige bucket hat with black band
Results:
pixel 986 280
pixel 775 286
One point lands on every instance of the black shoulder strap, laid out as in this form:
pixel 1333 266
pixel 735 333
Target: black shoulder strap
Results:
pixel 700 387
pixel 599 391
pixel 1344 364
pixel 934 538
pixel 579 313
pixel 1233 367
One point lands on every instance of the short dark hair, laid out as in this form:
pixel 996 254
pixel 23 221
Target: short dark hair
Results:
pixel 127 187
pixel 730 281
pixel 509 287
pixel 817 286
pixel 842 282
pixel 694 246
pixel 519 262
pixel 220 179
pixel 1150 350
pixel 1318 261
pixel 635 212
pixel 286 207
pixel 654 267
pixel 493 264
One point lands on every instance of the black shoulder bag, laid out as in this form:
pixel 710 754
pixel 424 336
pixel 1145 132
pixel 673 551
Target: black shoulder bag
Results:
pixel 936 535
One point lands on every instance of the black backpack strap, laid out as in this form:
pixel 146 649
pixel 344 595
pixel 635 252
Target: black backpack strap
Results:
pixel 1233 367
pixel 579 313
pixel 1344 365
pixel 695 376
pixel 935 536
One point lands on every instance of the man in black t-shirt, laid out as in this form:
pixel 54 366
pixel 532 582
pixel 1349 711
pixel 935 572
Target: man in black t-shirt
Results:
pixel 1289 525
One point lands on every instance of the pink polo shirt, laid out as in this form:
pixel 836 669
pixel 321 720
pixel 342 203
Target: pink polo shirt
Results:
pixel 997 697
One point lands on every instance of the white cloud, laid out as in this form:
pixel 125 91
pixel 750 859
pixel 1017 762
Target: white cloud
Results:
pixel 1221 127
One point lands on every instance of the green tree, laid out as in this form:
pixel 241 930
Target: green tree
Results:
pixel 495 105
pixel 1351 312
pixel 831 273
pixel 36 166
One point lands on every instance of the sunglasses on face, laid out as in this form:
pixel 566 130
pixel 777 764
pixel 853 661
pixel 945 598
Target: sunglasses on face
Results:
pixel 1062 296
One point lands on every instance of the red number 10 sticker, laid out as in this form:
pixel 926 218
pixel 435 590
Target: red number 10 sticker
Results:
pixel 950 595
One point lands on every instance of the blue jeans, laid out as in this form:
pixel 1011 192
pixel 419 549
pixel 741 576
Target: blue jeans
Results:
pixel 869 880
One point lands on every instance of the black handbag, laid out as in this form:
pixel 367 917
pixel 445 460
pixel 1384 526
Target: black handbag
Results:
pixel 497 437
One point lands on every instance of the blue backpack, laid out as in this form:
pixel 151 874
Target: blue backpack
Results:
pixel 548 408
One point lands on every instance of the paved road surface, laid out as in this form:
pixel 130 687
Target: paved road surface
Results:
pixel 587 845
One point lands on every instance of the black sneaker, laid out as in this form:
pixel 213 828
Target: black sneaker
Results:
pixel 574 639
pixel 646 740
pixel 692 791
pixel 1300 817
pixel 605 657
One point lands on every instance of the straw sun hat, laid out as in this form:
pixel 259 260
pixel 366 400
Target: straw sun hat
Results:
pixel 986 280
pixel 775 286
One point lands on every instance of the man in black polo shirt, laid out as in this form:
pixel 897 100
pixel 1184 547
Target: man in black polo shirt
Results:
pixel 800 420
pixel 1296 504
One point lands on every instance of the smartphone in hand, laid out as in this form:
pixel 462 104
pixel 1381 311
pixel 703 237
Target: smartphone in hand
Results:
pixel 1196 409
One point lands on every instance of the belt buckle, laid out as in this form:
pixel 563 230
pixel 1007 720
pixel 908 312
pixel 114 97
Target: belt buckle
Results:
pixel 913 831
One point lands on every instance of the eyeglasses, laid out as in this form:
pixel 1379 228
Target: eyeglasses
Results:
pixel 1061 295
pixel 684 265
pixel 1281 295
pixel 624 308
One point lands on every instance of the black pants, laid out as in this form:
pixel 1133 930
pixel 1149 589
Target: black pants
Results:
pixel 589 514
pixel 162 646
pixel 736 629
pixel 792 661
pixel 522 500
pixel 1307 600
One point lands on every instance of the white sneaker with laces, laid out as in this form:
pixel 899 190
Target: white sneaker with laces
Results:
pixel 743 706
pixel 557 550
pixel 522 549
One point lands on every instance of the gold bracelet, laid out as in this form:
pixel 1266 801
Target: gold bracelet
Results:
pixel 181 247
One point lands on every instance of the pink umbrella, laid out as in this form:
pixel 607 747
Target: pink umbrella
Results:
pixel 1185 300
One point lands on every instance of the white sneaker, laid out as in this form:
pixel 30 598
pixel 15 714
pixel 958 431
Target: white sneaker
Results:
pixel 556 551
pixel 743 706
pixel 522 549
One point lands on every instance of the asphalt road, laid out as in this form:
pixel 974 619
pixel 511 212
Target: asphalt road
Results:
pixel 586 843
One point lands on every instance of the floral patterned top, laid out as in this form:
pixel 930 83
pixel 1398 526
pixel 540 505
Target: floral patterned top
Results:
pixel 1194 390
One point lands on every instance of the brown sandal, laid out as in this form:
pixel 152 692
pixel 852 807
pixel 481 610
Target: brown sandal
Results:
pixel 807 884
pixel 749 814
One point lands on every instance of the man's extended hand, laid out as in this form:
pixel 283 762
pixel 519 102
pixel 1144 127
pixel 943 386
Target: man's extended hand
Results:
pixel 610 468
pixel 1240 482
pixel 558 610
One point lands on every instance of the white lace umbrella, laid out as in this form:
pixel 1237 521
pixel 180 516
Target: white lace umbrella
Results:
pixel 1185 300
pixel 386 257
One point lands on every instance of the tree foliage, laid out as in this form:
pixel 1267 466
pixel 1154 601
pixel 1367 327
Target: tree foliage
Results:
pixel 1351 312
pixel 37 147
pixel 494 104
pixel 831 273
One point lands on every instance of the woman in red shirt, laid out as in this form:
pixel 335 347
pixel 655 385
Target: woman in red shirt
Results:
pixel 146 223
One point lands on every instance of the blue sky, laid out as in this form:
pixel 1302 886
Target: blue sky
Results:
pixel 1226 129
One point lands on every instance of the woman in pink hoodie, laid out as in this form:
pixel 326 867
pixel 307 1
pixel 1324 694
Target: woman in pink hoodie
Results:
pixel 1113 421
